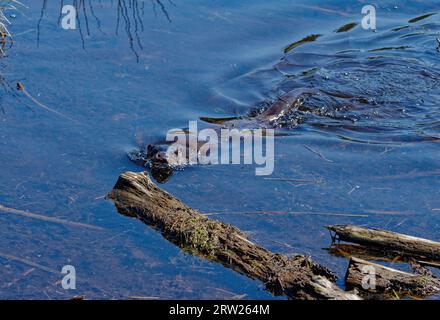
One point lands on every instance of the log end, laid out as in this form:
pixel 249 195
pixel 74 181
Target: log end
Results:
pixel 131 180
pixel 372 278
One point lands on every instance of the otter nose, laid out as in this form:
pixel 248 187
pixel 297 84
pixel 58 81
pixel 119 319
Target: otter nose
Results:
pixel 161 156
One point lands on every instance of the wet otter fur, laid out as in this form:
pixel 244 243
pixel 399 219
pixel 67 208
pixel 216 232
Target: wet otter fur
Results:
pixel 154 156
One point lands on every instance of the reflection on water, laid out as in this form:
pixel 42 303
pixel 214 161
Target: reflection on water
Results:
pixel 130 13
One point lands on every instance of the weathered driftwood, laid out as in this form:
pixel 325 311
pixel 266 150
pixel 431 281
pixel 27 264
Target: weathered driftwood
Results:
pixel 135 195
pixel 380 239
pixel 376 254
pixel 429 264
pixel 366 253
pixel 361 273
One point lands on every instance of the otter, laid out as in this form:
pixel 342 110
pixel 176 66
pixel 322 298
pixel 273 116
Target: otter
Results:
pixel 155 156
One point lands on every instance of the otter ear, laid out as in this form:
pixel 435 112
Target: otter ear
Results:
pixel 151 150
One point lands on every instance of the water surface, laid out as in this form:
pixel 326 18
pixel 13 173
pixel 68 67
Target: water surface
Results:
pixel 137 69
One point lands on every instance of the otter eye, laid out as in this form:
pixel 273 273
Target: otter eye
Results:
pixel 151 150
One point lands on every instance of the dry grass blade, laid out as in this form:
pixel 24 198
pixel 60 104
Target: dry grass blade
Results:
pixel 48 219
pixel 20 87
pixel 27 262
pixel 332 214
pixel 319 154
pixel 5 35
pixel 429 264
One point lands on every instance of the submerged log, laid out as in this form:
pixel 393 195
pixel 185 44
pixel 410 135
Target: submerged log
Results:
pixel 135 195
pixel 374 278
pixel 386 240
pixel 376 254
pixel 366 253
pixel 429 264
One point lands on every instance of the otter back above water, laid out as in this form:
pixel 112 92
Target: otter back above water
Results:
pixel 383 85
pixel 368 87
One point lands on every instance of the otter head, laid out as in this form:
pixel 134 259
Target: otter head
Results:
pixel 157 153
pixel 155 158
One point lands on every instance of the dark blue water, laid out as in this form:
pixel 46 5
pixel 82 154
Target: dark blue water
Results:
pixel 375 131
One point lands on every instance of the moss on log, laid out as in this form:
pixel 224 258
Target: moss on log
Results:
pixel 298 277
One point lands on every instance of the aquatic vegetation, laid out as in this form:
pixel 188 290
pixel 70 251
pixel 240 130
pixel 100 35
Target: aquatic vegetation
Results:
pixel 346 27
pixel 425 16
pixel 5 35
pixel 390 48
pixel 309 38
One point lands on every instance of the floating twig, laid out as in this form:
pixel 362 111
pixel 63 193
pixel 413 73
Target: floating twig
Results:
pixel 20 87
pixel 291 180
pixel 324 10
pixel 48 219
pixel 353 189
pixel 413 174
pixel 144 298
pixel 352 215
pixel 28 263
pixel 319 154
pixel 389 212
pixel 429 264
